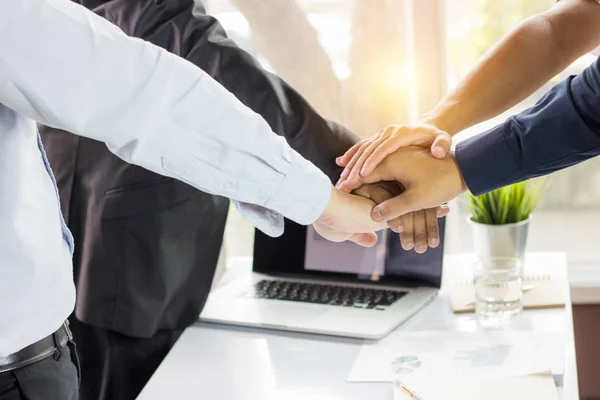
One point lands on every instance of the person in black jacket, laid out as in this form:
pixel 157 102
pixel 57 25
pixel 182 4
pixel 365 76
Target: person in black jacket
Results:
pixel 147 246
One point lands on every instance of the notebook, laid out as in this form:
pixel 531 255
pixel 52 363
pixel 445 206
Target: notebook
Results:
pixel 464 388
pixel 540 291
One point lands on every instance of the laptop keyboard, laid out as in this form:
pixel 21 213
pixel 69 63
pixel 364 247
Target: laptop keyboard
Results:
pixel 344 296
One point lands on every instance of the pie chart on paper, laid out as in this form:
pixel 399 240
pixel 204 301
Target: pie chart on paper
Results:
pixel 405 364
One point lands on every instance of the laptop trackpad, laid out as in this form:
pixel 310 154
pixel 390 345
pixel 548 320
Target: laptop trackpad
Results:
pixel 280 314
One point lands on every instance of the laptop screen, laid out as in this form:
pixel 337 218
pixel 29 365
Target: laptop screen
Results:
pixel 301 252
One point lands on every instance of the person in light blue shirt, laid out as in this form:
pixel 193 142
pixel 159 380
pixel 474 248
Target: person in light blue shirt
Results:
pixel 152 109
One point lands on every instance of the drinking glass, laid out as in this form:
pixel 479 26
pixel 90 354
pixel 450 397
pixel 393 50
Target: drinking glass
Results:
pixel 498 289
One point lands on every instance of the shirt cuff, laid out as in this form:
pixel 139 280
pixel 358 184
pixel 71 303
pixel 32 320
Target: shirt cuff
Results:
pixel 267 221
pixel 486 161
pixel 301 197
pixel 303 193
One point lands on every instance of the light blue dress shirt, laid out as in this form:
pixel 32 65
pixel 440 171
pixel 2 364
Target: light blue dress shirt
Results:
pixel 65 67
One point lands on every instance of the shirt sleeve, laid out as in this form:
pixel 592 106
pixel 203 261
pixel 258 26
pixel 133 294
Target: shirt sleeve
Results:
pixel 183 28
pixel 65 67
pixel 561 130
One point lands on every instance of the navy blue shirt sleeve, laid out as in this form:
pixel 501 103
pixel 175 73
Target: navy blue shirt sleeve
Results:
pixel 561 130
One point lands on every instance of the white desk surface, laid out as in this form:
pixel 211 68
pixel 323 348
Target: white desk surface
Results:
pixel 228 363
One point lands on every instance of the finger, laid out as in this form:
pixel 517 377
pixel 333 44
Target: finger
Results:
pixel 364 239
pixel 443 210
pixel 397 224
pixel 393 189
pixel 441 145
pixel 377 193
pixel 365 154
pixel 380 174
pixel 420 231
pixel 406 236
pixel 354 159
pixel 433 231
pixel 343 160
pixel 383 172
pixel 399 205
pixel 347 187
pixel 393 143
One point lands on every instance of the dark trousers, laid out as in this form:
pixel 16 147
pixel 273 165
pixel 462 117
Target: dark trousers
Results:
pixel 115 366
pixel 53 378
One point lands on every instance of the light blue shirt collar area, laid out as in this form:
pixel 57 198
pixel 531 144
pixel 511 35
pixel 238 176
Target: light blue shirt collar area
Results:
pixel 67 235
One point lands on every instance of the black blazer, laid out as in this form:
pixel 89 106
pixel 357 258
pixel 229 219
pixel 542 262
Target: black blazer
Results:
pixel 147 246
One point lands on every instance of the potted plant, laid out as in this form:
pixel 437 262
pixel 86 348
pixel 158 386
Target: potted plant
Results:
pixel 500 218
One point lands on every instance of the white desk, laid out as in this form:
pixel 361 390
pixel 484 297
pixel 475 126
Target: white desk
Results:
pixel 228 363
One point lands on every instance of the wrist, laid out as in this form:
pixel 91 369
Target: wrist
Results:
pixel 461 184
pixel 325 216
pixel 446 118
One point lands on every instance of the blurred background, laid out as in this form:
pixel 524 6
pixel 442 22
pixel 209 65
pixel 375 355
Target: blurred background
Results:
pixel 370 63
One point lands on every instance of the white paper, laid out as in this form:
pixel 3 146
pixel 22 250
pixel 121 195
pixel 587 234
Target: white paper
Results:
pixel 463 388
pixel 474 354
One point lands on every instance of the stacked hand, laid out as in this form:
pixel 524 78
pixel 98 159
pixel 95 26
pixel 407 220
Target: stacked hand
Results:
pixel 348 217
pixel 418 230
pixel 362 158
pixel 403 154
pixel 428 181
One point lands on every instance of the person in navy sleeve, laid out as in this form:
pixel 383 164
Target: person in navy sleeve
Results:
pixel 561 130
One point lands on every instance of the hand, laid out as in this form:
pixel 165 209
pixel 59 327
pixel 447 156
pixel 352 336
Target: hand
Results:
pixel 418 230
pixel 348 217
pixel 362 158
pixel 428 182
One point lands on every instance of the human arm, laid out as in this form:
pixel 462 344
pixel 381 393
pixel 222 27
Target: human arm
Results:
pixel 63 66
pixel 521 62
pixel 561 130
pixel 526 58
pixel 183 28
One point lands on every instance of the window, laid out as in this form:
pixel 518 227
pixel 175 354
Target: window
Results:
pixel 369 63
pixel 572 202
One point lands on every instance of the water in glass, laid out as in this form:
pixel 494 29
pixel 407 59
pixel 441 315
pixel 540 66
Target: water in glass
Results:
pixel 498 290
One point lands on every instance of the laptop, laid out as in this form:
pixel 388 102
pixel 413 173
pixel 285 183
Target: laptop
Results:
pixel 302 282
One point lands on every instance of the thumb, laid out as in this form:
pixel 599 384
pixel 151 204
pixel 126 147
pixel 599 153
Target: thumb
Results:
pixel 396 207
pixel 441 145
pixel 364 239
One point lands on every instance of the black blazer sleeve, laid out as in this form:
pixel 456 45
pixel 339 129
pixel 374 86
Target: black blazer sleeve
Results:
pixel 184 28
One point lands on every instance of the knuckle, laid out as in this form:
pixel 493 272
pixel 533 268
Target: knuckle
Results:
pixel 407 234
pixel 420 237
pixel 431 221
pixel 406 239
pixel 400 130
pixel 432 228
pixel 385 134
pixel 366 143
pixel 385 212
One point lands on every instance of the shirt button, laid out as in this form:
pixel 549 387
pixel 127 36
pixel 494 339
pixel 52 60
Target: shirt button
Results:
pixel 228 186
pixel 287 154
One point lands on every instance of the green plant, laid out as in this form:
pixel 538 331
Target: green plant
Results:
pixel 509 204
